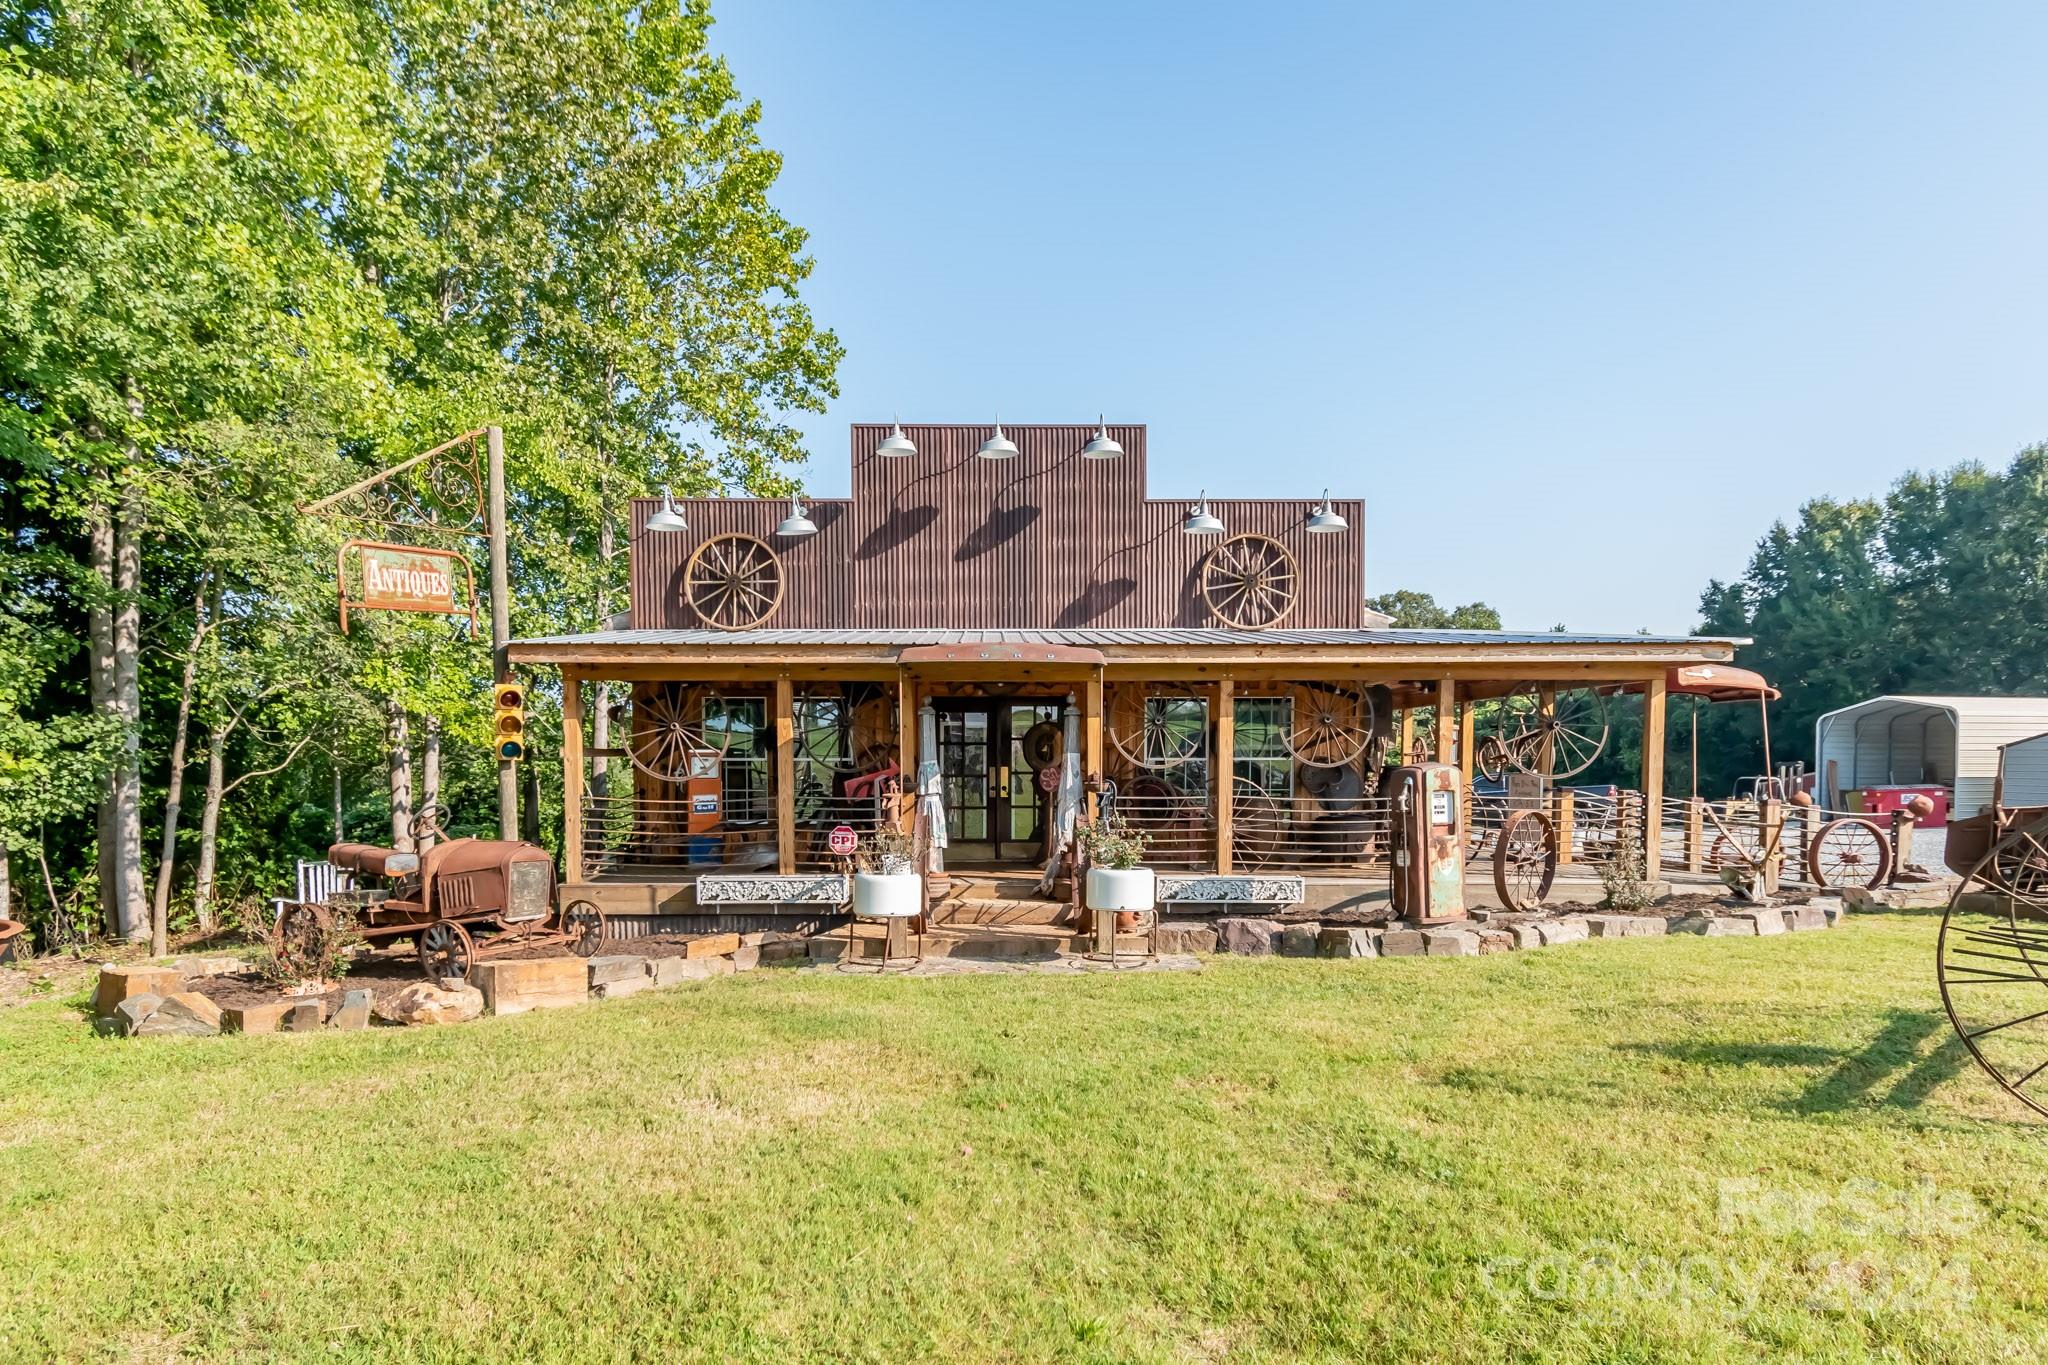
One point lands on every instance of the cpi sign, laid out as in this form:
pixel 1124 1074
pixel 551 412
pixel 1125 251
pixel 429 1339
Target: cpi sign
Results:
pixel 404 578
pixel 841 840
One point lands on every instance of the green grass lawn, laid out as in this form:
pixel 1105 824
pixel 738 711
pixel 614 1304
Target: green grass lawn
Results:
pixel 1637 1150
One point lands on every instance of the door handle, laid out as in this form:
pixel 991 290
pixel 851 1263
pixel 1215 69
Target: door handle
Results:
pixel 1003 777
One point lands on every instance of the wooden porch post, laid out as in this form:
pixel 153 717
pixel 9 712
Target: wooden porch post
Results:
pixel 1446 720
pixel 1653 777
pixel 1407 733
pixel 785 776
pixel 1091 738
pixel 1223 769
pixel 906 748
pixel 572 776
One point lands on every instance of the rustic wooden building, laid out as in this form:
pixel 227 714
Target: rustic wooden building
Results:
pixel 786 670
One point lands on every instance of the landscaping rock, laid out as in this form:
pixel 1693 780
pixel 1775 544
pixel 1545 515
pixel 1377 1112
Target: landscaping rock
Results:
pixel 623 987
pixel 1832 911
pixel 194 968
pixel 187 1014
pixel 616 967
pixel 1494 941
pixel 255 1018
pixel 1339 942
pixel 424 1003
pixel 1527 935
pixel 1402 943
pixel 304 1016
pixel 121 983
pixel 1625 926
pixel 746 958
pixel 1763 921
pixel 1714 926
pixel 1186 938
pixel 1298 940
pixel 533 983
pixel 1248 937
pixel 130 1013
pixel 673 971
pixel 712 945
pixel 1803 917
pixel 353 1012
pixel 785 952
pixel 1567 929
pixel 1450 943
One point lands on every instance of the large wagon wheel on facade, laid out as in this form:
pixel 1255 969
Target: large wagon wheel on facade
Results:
pixel 733 582
pixel 1992 963
pixel 1250 582
pixel 1524 859
pixel 1517 731
pixel 1332 725
pixel 675 726
pixel 1258 823
pixel 1849 852
pixel 1158 725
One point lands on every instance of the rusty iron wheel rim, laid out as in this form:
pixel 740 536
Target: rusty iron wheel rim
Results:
pixel 733 582
pixel 1250 582
pixel 584 924
pixel 1258 823
pixel 1331 726
pixel 1157 738
pixel 665 737
pixel 1991 961
pixel 1574 730
pixel 446 950
pixel 1524 860
pixel 1849 852
pixel 300 930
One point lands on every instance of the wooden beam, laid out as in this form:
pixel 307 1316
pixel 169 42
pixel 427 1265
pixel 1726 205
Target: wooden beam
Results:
pixel 1546 751
pixel 1407 734
pixel 785 776
pixel 1653 775
pixel 1468 748
pixel 906 746
pixel 1446 720
pixel 1223 769
pixel 1091 735
pixel 572 777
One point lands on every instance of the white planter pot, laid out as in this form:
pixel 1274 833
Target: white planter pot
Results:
pixel 1130 889
pixel 888 895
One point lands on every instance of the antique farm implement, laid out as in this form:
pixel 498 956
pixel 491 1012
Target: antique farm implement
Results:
pixel 460 901
pixel 1992 956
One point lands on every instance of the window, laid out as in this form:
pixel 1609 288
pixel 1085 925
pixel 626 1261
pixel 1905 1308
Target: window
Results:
pixel 745 764
pixel 1177 728
pixel 1261 745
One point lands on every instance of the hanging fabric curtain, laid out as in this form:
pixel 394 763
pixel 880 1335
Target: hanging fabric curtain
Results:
pixel 1067 804
pixel 931 791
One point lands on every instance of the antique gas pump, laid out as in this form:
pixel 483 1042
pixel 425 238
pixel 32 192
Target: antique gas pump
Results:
pixel 1428 849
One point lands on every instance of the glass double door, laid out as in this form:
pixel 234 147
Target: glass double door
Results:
pixel 996 807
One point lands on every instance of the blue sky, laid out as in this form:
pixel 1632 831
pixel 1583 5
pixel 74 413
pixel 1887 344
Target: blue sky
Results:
pixel 1578 297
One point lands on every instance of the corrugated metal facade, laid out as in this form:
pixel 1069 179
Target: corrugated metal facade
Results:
pixel 1048 540
pixel 2026 772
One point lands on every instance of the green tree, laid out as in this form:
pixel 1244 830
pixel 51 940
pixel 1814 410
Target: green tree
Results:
pixel 1419 611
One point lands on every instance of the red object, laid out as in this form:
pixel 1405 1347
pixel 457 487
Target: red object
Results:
pixel 1885 800
pixel 865 784
pixel 840 840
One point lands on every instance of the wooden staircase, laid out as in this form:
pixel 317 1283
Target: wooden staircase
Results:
pixel 998 899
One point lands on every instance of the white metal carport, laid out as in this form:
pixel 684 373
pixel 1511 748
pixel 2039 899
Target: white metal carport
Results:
pixel 1954 741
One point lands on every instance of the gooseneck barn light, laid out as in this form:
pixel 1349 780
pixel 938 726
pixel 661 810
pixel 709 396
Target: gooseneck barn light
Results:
pixel 1325 519
pixel 798 522
pixel 1102 447
pixel 998 446
pixel 895 445
pixel 1201 521
pixel 667 518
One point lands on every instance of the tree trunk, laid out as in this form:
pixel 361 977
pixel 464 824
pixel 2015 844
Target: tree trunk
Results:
pixel 340 827
pixel 209 831
pixel 115 626
pixel 401 778
pixel 174 787
pixel 6 886
pixel 601 714
pixel 430 775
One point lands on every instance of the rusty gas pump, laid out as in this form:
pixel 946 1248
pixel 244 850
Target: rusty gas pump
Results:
pixel 1428 862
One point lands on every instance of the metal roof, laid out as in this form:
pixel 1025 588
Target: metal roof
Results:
pixel 1162 636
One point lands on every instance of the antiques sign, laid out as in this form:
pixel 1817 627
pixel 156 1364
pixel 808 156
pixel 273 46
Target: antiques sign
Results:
pixel 404 578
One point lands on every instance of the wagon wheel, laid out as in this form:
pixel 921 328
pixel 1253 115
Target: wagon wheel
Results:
pixel 1332 725
pixel 430 822
pixel 1525 859
pixel 1992 962
pixel 1480 834
pixel 670 728
pixel 824 731
pixel 1422 748
pixel 300 940
pixel 1160 726
pixel 1258 823
pixel 583 922
pixel 1250 582
pixel 1739 846
pixel 446 950
pixel 1490 756
pixel 733 582
pixel 1849 852
pixel 1572 732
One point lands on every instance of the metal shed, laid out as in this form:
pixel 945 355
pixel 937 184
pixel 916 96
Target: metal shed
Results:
pixel 1899 740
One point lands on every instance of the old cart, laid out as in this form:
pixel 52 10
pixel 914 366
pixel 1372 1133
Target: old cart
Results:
pixel 460 901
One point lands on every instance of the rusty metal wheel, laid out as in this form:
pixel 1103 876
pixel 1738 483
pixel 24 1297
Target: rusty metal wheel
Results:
pixel 678 728
pixel 1849 852
pixel 1332 725
pixel 446 950
pixel 1559 740
pixel 1250 582
pixel 1741 846
pixel 1258 824
pixel 301 939
pixel 733 582
pixel 583 922
pixel 1524 859
pixel 1992 963
pixel 1158 725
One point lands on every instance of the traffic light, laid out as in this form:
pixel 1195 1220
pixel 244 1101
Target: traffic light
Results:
pixel 508 722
